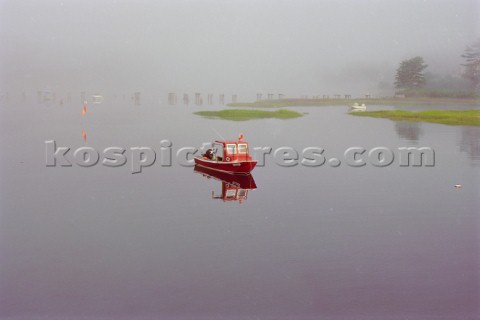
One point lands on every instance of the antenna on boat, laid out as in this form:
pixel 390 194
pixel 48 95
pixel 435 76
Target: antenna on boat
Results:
pixel 218 134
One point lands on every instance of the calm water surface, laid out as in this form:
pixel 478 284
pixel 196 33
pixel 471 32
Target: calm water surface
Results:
pixel 308 243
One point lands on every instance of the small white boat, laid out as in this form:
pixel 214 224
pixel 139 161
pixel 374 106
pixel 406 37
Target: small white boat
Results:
pixel 357 107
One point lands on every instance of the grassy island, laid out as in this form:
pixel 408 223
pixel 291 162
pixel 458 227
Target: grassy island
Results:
pixel 449 117
pixel 249 114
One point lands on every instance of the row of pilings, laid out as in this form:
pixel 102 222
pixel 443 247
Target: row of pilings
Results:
pixel 212 99
pixel 173 98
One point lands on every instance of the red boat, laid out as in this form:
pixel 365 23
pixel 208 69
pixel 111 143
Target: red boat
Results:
pixel 228 156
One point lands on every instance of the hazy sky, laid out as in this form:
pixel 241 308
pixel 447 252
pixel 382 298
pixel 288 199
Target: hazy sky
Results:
pixel 295 47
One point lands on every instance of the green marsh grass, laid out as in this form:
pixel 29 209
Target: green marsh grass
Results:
pixel 249 114
pixel 449 117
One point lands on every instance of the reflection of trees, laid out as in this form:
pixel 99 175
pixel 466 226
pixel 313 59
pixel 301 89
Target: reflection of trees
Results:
pixel 410 131
pixel 470 142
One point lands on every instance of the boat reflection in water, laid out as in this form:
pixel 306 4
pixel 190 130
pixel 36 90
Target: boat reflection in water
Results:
pixel 234 187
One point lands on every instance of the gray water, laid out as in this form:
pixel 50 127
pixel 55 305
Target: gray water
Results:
pixel 309 243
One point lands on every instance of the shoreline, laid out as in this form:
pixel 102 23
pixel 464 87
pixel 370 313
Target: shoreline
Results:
pixel 347 102
pixel 447 117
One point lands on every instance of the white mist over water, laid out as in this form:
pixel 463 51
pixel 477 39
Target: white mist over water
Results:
pixel 291 47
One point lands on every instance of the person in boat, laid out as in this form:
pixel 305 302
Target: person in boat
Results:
pixel 208 154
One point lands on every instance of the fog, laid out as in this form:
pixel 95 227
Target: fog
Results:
pixel 291 47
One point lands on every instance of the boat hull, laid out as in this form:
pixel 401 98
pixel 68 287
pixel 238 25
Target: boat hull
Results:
pixel 358 108
pixel 234 167
pixel 244 181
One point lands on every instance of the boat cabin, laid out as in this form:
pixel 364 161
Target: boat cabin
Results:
pixel 227 151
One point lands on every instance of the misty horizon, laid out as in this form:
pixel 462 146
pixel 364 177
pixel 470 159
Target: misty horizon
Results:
pixel 294 48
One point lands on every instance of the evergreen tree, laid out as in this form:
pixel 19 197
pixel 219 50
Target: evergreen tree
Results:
pixel 410 74
pixel 472 65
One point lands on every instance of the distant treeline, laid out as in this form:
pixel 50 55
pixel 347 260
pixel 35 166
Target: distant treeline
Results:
pixel 437 93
